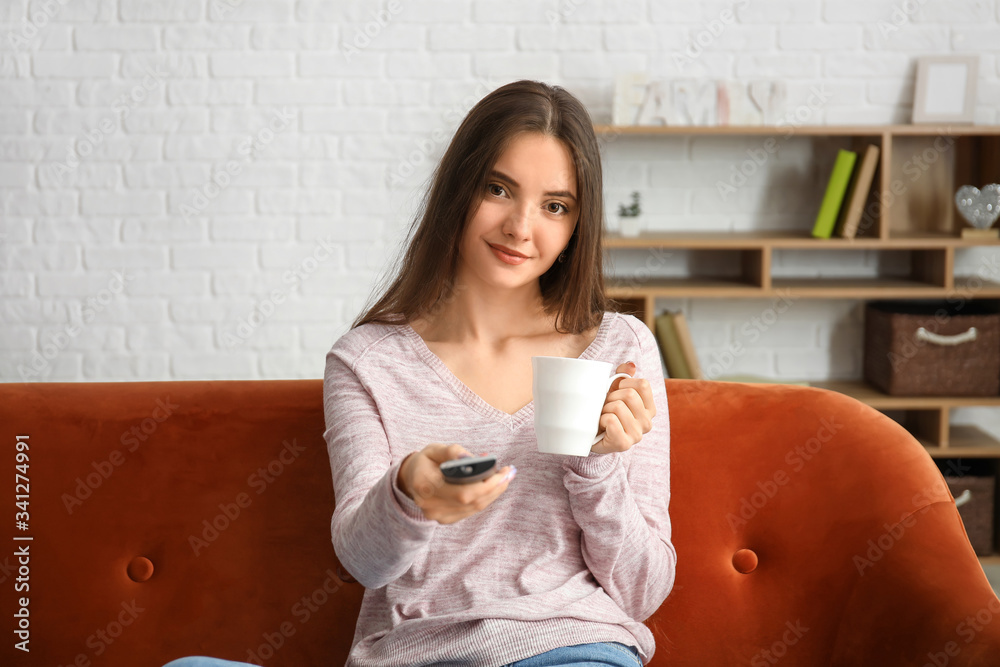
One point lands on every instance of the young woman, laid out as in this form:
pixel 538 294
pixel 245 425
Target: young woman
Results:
pixel 554 560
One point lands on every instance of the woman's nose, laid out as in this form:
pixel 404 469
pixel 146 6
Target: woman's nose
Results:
pixel 518 223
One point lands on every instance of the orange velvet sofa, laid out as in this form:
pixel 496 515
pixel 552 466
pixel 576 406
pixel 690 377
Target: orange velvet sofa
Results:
pixel 166 519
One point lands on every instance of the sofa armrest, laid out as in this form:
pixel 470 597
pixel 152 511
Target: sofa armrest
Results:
pixel 921 597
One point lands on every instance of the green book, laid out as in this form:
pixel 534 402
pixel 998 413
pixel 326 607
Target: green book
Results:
pixel 834 197
pixel 670 347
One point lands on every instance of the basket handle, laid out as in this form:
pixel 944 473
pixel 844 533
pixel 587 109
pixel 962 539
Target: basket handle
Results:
pixel 955 339
pixel 963 498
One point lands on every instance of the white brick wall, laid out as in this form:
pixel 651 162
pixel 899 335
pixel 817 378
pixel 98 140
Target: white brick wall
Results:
pixel 334 113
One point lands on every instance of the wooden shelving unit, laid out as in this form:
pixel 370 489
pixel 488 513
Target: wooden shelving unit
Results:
pixel 933 259
pixel 920 168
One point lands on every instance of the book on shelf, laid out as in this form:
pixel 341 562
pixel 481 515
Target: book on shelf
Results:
pixel 857 194
pixel 687 345
pixel 836 188
pixel 677 346
pixel 670 347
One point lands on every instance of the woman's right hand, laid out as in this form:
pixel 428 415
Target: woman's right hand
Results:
pixel 420 478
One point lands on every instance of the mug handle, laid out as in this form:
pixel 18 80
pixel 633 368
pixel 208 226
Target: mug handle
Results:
pixel 611 381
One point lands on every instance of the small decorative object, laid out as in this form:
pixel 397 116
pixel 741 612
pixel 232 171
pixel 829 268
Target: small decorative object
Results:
pixel 980 208
pixel 630 90
pixel 694 103
pixel 629 217
pixel 697 102
pixel 655 106
pixel 946 89
pixel 753 103
pixel 681 103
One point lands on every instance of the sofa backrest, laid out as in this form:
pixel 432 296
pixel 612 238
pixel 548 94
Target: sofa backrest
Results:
pixel 811 529
pixel 180 518
pixel 222 489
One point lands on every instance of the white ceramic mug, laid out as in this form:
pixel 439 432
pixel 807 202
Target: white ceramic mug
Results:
pixel 569 396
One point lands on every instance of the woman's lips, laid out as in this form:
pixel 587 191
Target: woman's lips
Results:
pixel 505 257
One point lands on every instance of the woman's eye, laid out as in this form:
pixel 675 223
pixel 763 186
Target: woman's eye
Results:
pixel 556 207
pixel 495 190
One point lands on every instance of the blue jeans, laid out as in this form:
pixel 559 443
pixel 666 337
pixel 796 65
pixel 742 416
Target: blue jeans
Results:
pixel 585 655
pixel 598 654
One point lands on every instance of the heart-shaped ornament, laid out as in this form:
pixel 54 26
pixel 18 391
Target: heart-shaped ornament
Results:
pixel 980 207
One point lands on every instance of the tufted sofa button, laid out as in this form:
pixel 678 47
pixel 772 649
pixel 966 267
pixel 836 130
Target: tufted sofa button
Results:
pixel 745 561
pixel 140 569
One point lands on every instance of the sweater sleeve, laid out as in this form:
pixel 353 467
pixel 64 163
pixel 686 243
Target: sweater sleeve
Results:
pixel 377 530
pixel 620 501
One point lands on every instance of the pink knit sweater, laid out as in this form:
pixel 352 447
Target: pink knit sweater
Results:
pixel 576 550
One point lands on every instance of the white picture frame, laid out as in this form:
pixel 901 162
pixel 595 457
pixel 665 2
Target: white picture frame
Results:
pixel 946 89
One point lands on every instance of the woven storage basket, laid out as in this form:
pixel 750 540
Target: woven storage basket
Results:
pixel 976 509
pixel 928 348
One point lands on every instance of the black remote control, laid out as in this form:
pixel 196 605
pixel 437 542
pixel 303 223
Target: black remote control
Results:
pixel 469 469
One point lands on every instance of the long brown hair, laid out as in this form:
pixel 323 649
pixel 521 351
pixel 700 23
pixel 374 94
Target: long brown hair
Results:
pixel 573 289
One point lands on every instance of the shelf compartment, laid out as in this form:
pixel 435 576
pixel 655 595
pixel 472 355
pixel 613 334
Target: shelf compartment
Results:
pixel 927 170
pixel 967 441
pixel 918 268
pixel 928 426
pixel 685 267
pixel 977 163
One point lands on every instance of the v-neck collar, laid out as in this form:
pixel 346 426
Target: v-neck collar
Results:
pixel 474 400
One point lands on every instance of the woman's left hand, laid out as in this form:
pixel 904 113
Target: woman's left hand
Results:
pixel 628 412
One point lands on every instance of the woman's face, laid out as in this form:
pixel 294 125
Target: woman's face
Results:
pixel 527 215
